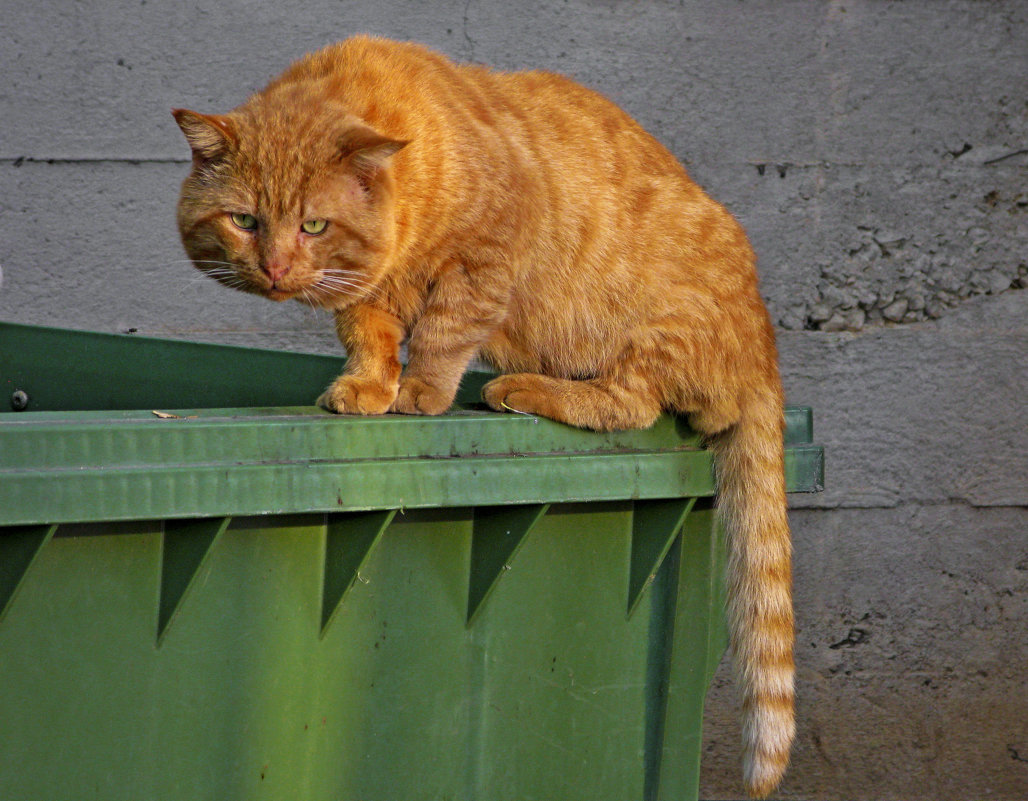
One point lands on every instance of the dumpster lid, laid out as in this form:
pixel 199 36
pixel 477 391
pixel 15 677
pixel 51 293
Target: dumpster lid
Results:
pixel 103 439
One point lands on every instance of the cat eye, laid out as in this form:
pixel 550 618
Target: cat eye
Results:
pixel 314 227
pixel 245 221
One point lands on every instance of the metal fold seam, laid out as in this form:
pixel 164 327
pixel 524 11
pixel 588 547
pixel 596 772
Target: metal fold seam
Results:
pixel 655 525
pixel 19 548
pixel 133 493
pixel 343 462
pixel 126 494
pixel 185 549
pixel 45 445
pixel 350 539
pixel 497 534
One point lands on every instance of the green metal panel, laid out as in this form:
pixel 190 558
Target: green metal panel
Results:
pixel 73 370
pixel 655 525
pixel 497 536
pixel 698 635
pixel 85 370
pixel 349 541
pixel 68 470
pixel 544 696
pixel 67 370
pixel 184 550
pixel 19 547
pixel 327 594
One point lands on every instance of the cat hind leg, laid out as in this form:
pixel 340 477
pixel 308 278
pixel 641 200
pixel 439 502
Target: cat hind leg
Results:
pixel 601 404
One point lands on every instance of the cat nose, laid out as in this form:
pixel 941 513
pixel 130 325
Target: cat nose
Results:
pixel 276 270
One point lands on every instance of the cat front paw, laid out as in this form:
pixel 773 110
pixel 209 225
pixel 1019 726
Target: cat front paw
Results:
pixel 352 395
pixel 417 397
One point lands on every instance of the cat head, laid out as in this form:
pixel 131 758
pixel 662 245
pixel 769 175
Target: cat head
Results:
pixel 288 202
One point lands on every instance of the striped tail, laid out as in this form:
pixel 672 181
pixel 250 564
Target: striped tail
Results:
pixel 749 458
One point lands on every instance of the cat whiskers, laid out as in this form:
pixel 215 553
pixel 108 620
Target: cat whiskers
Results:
pixel 198 262
pixel 347 282
pixel 224 272
pixel 226 277
pixel 223 276
pixel 309 299
pixel 332 281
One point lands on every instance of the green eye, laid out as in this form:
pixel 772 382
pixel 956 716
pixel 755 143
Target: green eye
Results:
pixel 245 221
pixel 313 227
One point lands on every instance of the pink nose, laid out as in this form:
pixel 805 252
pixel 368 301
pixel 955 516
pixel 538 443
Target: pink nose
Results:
pixel 276 271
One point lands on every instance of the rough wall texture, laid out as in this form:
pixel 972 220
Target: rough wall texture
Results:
pixel 876 151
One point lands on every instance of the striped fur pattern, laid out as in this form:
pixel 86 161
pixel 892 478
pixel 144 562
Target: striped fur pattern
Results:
pixel 524 219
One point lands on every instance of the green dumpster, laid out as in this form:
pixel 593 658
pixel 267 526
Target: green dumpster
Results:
pixel 210 589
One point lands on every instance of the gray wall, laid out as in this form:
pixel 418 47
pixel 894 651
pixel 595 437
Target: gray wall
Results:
pixel 876 151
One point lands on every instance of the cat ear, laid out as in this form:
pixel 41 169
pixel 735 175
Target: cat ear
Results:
pixel 367 151
pixel 210 136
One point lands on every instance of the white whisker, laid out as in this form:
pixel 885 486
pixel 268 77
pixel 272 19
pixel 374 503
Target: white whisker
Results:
pixel 337 285
pixel 305 291
pixel 203 264
pixel 337 271
pixel 354 280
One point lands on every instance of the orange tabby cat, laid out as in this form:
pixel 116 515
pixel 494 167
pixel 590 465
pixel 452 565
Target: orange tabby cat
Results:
pixel 525 219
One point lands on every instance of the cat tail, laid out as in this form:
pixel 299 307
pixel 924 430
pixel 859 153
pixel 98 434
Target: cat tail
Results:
pixel 749 459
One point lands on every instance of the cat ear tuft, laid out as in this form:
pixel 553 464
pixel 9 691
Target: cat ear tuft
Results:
pixel 367 151
pixel 209 135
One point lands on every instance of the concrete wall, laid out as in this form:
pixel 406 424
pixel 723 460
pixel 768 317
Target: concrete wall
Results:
pixel 877 153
